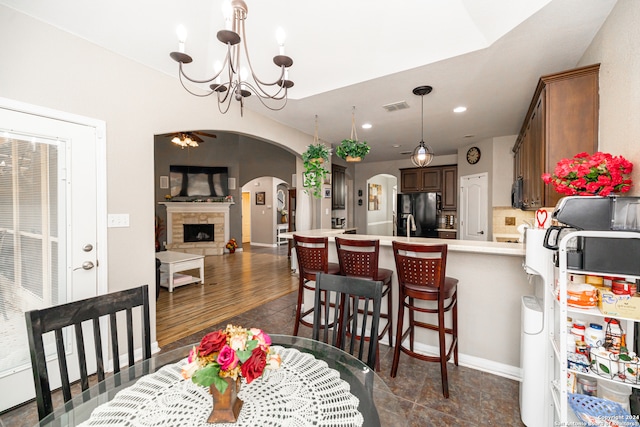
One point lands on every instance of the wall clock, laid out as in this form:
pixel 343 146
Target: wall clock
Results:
pixel 473 155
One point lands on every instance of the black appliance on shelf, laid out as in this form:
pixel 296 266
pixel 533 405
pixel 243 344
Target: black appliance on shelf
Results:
pixel 595 213
pixel 424 207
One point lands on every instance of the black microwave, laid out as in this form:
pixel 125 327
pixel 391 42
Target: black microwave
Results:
pixel 516 193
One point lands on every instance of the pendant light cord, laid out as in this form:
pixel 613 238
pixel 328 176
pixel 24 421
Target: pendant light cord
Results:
pixel 422 117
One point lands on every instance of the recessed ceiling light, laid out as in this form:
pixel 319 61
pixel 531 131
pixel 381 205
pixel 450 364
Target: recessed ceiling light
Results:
pixel 460 109
pixel 366 126
pixel 469 136
pixel 396 145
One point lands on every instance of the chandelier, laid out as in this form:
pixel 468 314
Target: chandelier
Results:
pixel 230 77
pixel 423 154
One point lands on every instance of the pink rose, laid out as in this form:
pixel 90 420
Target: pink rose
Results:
pixel 264 340
pixel 227 359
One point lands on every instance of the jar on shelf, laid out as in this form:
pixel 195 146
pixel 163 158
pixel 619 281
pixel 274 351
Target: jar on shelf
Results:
pixel 594 335
pixel 587 386
pixel 578 330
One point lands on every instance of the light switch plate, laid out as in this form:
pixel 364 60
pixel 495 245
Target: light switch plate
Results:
pixel 117 220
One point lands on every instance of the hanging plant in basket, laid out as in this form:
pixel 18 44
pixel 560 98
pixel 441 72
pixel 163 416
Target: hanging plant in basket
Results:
pixel 314 172
pixel 351 149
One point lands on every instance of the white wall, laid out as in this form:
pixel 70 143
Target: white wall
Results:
pixel 617 48
pixel 57 70
pixel 502 170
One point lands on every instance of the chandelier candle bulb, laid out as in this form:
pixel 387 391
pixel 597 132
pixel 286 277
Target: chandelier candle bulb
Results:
pixel 181 32
pixel 227 13
pixel 280 38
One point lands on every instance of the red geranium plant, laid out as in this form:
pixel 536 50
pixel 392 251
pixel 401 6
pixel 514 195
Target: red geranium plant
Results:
pixel 598 175
pixel 231 353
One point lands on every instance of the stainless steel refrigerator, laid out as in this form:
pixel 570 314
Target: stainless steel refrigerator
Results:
pixel 424 208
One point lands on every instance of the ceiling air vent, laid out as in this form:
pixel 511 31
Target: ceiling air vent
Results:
pixel 402 105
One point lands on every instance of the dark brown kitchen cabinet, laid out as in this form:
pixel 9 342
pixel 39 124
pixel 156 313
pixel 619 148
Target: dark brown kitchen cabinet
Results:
pixel 447 234
pixel 338 187
pixel 439 179
pixel 561 122
pixel 449 188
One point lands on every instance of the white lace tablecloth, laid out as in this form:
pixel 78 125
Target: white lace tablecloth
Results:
pixel 303 392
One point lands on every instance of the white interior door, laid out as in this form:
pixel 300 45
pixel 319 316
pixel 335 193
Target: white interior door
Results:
pixel 49 230
pixel 474 197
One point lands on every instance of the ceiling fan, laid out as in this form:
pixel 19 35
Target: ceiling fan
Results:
pixel 188 139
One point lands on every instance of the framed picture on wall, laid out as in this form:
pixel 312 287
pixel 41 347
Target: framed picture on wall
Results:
pixel 260 198
pixel 327 193
pixel 375 193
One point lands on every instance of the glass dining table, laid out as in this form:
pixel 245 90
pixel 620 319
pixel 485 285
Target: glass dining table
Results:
pixel 325 374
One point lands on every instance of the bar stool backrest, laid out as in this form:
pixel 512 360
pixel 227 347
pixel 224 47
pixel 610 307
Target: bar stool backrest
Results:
pixel 420 265
pixel 358 258
pixel 312 254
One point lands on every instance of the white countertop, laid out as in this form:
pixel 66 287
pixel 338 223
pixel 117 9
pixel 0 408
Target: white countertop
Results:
pixel 496 248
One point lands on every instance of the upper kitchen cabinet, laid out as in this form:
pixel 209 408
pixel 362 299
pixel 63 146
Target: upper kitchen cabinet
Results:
pixel 338 187
pixel 562 121
pixel 439 179
pixel 449 188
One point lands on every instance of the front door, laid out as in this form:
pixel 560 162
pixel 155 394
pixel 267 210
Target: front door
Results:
pixel 473 211
pixel 49 229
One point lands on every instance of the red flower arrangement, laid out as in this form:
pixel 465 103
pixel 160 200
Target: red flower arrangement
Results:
pixel 232 352
pixel 598 175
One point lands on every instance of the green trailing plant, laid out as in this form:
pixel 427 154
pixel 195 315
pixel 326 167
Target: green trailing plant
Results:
pixel 353 148
pixel 314 171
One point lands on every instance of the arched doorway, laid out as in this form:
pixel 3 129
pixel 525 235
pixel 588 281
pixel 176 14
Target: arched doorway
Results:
pixel 380 199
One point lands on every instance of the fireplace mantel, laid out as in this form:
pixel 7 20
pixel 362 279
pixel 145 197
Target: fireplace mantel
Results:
pixel 180 213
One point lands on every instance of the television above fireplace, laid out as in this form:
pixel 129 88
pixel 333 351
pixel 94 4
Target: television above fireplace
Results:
pixel 196 182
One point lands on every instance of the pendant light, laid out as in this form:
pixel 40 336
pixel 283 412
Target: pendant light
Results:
pixel 423 154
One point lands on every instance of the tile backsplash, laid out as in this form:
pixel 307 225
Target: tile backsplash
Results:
pixel 501 213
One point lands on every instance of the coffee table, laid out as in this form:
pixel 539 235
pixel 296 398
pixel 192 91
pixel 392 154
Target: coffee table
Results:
pixel 174 262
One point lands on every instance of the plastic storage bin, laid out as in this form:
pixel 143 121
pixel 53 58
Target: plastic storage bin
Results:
pixel 615 392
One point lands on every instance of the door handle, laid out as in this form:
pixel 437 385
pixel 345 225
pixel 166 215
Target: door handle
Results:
pixel 480 232
pixel 87 265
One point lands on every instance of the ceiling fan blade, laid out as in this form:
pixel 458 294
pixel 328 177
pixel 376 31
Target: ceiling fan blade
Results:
pixel 210 135
pixel 170 135
pixel 195 137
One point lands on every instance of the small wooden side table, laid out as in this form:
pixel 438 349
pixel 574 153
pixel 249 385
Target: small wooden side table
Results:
pixel 174 262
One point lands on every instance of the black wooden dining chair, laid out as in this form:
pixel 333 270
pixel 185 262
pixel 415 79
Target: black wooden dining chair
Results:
pixel 347 325
pixel 55 319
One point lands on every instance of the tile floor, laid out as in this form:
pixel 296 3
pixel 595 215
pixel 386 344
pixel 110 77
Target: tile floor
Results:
pixel 477 399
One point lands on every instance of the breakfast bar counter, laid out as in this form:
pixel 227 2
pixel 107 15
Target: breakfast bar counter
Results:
pixel 491 285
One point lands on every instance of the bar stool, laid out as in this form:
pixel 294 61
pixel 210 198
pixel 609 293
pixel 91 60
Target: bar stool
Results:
pixel 359 258
pixel 313 257
pixel 421 276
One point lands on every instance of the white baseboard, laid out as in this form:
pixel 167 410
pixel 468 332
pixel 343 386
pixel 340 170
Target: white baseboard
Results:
pixel 473 362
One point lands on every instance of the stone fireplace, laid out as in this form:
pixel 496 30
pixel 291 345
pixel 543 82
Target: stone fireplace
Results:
pixel 205 217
